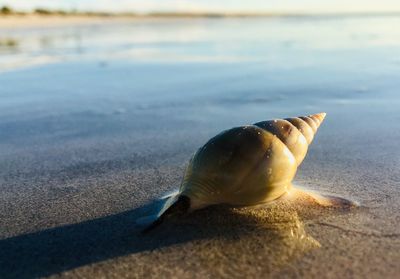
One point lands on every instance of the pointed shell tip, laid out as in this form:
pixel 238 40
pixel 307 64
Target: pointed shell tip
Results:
pixel 322 115
pixel 318 117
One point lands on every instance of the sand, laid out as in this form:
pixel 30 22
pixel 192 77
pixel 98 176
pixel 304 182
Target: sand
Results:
pixel 46 21
pixel 54 21
pixel 79 221
pixel 78 167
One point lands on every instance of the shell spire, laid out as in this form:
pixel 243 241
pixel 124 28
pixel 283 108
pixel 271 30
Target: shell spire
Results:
pixel 308 125
pixel 296 133
pixel 318 118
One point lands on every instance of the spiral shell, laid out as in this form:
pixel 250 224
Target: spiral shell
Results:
pixel 249 165
pixel 245 166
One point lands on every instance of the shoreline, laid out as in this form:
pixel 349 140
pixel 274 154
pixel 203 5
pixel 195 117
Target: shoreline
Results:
pixel 17 21
pixel 32 21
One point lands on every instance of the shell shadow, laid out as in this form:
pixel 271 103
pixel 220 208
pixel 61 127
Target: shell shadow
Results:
pixel 278 235
pixel 222 241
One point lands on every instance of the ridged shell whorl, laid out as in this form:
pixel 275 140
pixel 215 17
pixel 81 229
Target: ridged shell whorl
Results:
pixel 296 132
pixel 251 164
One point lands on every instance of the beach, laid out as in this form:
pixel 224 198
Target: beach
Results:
pixel 99 120
pixel 46 21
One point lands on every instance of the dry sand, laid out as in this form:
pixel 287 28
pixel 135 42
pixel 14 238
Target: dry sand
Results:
pixel 47 21
pixel 52 21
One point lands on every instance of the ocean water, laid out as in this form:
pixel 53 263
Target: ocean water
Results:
pixel 230 70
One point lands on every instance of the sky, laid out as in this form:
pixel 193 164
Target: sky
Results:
pixel 313 6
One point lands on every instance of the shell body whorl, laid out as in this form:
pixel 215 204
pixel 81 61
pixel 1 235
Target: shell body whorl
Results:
pixel 249 165
pixel 225 167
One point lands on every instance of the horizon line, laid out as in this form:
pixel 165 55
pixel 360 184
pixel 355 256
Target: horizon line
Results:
pixel 71 12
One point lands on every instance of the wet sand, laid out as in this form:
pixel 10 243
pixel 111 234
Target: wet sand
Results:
pixel 80 220
pixel 78 167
